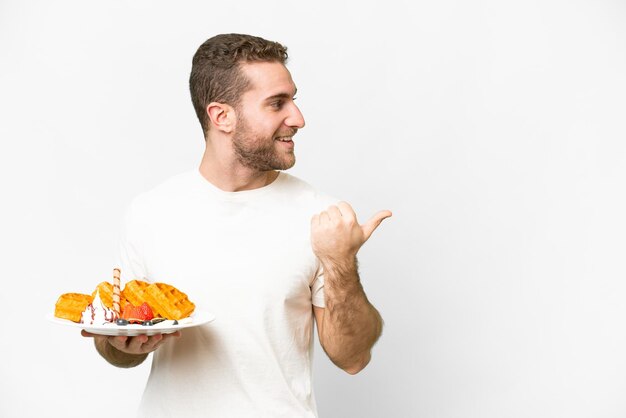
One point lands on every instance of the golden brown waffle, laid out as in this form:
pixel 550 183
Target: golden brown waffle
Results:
pixel 168 302
pixel 106 295
pixel 71 306
pixel 133 293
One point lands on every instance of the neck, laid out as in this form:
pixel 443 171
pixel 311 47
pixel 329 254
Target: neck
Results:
pixel 223 170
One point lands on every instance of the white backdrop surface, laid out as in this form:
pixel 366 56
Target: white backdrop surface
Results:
pixel 493 130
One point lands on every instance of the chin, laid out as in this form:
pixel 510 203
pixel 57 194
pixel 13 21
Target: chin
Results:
pixel 286 165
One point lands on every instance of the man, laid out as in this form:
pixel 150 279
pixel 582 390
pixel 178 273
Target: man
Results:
pixel 260 249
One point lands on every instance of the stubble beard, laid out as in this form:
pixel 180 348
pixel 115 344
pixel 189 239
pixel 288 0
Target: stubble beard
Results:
pixel 258 152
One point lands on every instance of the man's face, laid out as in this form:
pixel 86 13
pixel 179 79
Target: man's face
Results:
pixel 267 118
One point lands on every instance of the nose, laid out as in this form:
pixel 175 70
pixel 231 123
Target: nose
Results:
pixel 295 118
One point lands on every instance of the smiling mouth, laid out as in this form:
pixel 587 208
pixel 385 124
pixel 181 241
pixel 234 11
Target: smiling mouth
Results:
pixel 285 138
pixel 287 135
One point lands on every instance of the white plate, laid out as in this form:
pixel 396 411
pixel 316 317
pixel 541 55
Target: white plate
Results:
pixel 165 327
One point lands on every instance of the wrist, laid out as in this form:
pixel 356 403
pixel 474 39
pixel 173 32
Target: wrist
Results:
pixel 347 267
pixel 115 356
pixel 341 280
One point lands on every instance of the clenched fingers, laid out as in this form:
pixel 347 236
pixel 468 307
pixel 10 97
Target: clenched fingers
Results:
pixel 346 211
pixel 334 214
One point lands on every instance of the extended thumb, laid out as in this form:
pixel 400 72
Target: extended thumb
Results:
pixel 369 226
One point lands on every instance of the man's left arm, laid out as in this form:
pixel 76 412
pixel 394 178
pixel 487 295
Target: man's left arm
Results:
pixel 349 325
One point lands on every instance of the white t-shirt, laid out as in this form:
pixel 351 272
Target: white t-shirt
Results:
pixel 245 257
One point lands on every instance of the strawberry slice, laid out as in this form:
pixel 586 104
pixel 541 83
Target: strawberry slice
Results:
pixel 128 311
pixel 146 311
pixel 137 313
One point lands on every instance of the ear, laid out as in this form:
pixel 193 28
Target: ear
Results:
pixel 222 116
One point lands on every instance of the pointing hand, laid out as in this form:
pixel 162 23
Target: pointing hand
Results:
pixel 337 236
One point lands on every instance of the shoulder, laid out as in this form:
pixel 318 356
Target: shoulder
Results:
pixel 300 191
pixel 170 192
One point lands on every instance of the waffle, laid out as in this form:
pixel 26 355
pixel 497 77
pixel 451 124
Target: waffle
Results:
pixel 167 302
pixel 106 295
pixel 71 306
pixel 133 293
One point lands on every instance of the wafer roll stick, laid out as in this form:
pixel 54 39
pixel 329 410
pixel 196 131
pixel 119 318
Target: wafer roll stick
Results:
pixel 116 292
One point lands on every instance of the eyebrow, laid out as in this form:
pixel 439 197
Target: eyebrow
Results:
pixel 281 96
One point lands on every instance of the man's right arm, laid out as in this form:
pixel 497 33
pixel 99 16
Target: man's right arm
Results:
pixel 123 351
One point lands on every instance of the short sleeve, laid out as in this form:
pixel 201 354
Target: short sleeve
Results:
pixel 317 289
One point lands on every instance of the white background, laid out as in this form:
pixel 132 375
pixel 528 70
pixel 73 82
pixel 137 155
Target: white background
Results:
pixel 494 130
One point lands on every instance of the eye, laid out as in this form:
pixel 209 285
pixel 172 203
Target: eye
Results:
pixel 277 105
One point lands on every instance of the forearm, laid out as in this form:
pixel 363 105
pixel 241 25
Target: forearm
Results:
pixel 116 357
pixel 351 325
